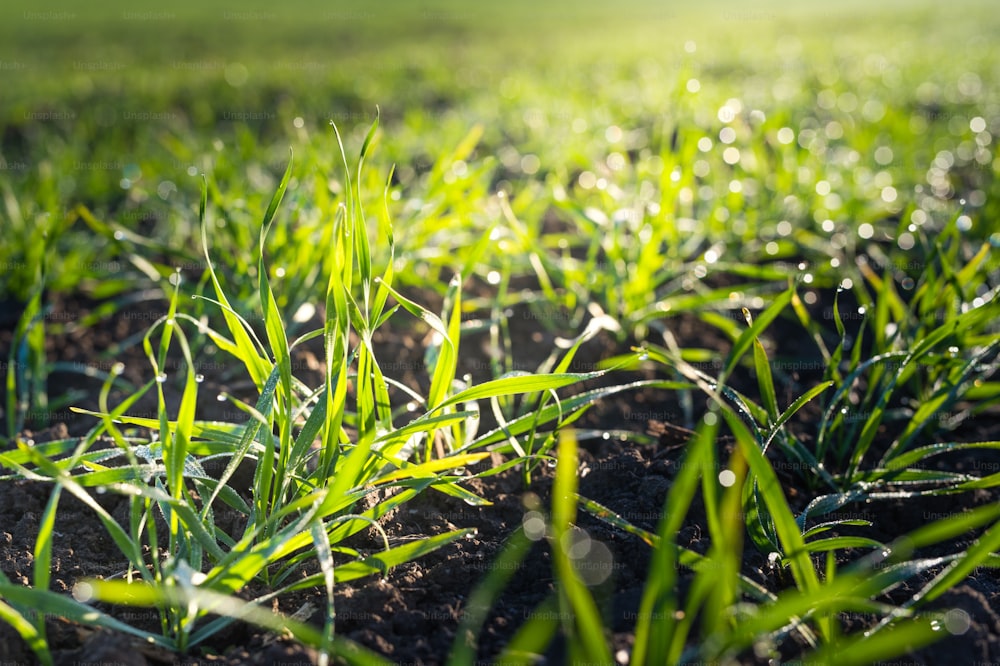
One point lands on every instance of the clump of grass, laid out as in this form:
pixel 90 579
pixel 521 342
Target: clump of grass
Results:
pixel 932 355
pixel 310 474
pixel 725 614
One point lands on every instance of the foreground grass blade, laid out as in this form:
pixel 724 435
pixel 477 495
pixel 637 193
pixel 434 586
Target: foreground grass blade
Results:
pixel 60 605
pixel 657 622
pixel 24 627
pixel 905 637
pixel 792 543
pixel 585 632
pixel 141 594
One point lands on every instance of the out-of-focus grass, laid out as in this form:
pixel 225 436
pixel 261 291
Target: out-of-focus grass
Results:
pixel 123 115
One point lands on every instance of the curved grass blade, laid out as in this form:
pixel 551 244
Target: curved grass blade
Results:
pixel 750 334
pixel 25 628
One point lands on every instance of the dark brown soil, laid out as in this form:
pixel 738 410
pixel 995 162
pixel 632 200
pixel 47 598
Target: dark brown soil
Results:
pixel 411 615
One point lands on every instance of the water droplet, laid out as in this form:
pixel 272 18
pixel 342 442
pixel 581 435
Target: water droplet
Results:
pixel 117 369
pixel 119 235
pixel 221 397
pixel 100 490
pixel 957 621
pixel 606 435
pixel 162 377
pixel 199 378
pixel 534 525
pixel 83 592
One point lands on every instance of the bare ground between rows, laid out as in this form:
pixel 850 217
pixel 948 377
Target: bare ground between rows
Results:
pixel 412 614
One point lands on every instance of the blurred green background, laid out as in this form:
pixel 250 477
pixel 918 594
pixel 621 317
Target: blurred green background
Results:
pixel 119 106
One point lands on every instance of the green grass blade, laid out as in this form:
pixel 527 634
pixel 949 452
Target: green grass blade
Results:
pixel 518 384
pixel 325 556
pixel 904 638
pixel 765 382
pixel 25 629
pixel 243 346
pixel 53 604
pixel 792 543
pixel 381 562
pixel 260 417
pixel 145 595
pixel 753 332
pixel 656 623
pixel 120 537
pixel 583 626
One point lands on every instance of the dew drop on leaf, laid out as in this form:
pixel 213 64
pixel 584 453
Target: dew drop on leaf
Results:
pixel 199 378
pixel 162 377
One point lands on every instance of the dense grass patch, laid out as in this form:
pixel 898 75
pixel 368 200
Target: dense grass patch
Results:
pixel 783 218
